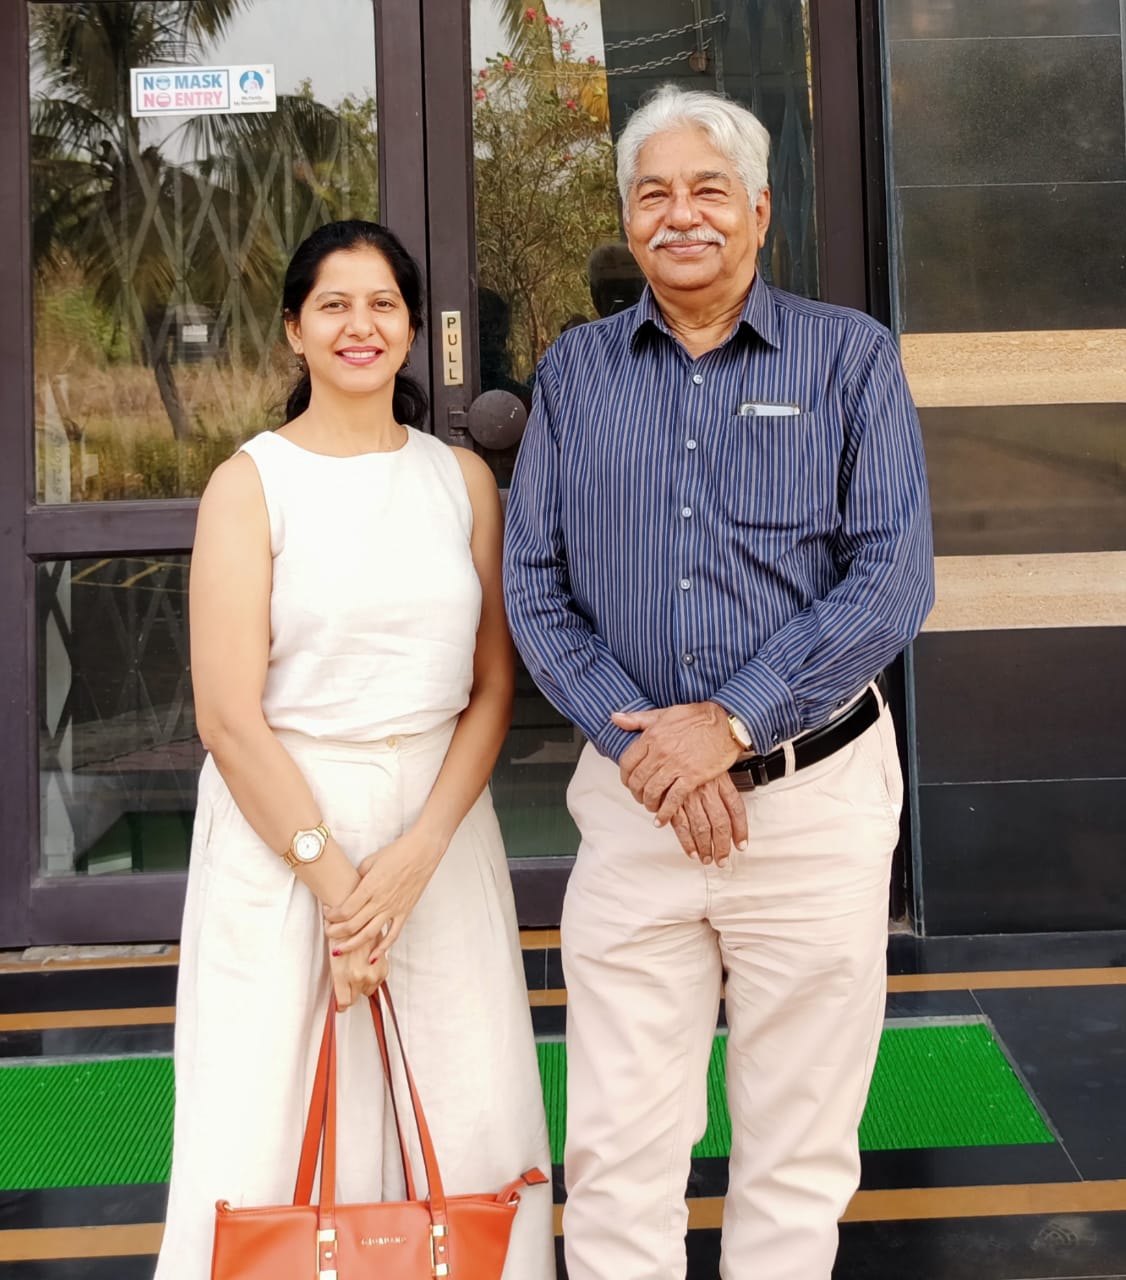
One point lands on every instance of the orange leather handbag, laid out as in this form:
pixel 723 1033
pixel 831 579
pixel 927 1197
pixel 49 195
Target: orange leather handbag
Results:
pixel 463 1237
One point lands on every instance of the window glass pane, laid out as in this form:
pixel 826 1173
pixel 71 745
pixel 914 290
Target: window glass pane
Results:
pixel 553 85
pixel 159 241
pixel 118 752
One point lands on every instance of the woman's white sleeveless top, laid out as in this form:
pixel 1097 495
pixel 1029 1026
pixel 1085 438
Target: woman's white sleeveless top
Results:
pixel 375 599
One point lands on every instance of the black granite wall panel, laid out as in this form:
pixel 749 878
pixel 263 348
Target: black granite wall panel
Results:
pixel 1015 479
pixel 988 258
pixel 1042 703
pixel 1024 857
pixel 999 111
pixel 1022 771
pixel 1008 135
pixel 967 19
pixel 1008 169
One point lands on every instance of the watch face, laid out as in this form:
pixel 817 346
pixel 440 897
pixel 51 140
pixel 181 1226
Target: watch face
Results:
pixel 308 845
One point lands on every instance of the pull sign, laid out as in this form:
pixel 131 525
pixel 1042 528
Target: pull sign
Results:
pixel 451 348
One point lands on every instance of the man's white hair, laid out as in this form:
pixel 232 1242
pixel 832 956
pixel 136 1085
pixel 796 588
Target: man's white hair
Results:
pixel 734 131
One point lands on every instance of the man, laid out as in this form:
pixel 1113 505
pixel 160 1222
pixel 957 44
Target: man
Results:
pixel 718 535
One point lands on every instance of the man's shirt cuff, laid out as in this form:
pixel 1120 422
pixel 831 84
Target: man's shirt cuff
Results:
pixel 764 703
pixel 612 741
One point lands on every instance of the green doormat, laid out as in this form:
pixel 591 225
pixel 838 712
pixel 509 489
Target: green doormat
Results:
pixel 85 1124
pixel 935 1085
pixel 109 1122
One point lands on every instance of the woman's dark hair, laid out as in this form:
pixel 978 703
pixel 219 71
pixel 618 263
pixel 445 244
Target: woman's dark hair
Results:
pixel 409 403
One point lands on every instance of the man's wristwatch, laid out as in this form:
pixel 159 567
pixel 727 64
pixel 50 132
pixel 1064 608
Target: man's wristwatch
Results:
pixel 739 733
pixel 306 846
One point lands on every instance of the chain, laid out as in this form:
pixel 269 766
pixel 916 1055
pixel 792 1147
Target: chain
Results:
pixel 682 56
pixel 615 45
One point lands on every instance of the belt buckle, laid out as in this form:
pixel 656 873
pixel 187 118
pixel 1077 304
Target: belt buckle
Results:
pixel 751 773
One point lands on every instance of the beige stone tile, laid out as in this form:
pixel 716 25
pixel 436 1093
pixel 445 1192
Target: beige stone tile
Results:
pixel 978 593
pixel 1078 366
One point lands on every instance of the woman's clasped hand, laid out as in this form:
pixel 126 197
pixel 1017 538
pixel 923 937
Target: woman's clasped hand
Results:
pixel 355 976
pixel 391 882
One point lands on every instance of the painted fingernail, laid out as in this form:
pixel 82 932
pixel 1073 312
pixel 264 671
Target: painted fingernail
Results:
pixel 338 953
pixel 373 960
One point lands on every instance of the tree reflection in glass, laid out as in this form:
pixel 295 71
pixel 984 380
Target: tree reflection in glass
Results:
pixel 159 244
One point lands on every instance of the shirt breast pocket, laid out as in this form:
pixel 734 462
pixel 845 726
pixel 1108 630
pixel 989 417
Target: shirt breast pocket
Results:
pixel 778 476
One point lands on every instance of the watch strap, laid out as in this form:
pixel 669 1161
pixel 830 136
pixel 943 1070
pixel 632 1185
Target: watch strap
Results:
pixel 290 858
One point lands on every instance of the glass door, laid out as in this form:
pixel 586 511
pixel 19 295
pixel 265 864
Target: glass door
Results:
pixel 176 153
pixel 526 240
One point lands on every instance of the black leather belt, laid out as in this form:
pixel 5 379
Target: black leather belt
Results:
pixel 818 744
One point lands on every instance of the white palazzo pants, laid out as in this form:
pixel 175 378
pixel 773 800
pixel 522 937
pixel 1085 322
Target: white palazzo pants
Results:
pixel 798 923
pixel 252 994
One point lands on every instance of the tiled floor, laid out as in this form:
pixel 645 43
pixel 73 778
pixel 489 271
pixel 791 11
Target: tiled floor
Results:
pixel 1057 1004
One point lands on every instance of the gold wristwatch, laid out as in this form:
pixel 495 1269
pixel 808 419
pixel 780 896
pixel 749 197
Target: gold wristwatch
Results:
pixel 306 846
pixel 740 734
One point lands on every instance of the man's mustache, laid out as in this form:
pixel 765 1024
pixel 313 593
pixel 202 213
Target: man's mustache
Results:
pixel 700 235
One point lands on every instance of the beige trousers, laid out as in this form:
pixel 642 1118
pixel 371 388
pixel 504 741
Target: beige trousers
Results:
pixel 798 924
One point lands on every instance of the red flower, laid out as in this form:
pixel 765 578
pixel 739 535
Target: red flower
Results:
pixel 568 159
pixel 566 46
pixel 592 60
pixel 483 74
pixel 508 64
pixel 480 95
pixel 571 104
pixel 529 15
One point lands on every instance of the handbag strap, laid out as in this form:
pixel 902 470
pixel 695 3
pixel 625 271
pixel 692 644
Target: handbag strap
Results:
pixel 381 1038
pixel 436 1191
pixel 320 1124
pixel 326 1210
pixel 314 1123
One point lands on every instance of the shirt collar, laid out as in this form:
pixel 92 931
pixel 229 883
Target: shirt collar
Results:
pixel 757 314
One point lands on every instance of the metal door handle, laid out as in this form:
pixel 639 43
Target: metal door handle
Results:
pixel 496 419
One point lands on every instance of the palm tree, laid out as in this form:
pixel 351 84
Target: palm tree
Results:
pixel 98 187
pixel 524 22
pixel 211 211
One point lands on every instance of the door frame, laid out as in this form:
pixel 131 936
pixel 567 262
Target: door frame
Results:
pixel 431 206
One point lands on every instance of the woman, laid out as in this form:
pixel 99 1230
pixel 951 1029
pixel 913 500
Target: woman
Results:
pixel 353 682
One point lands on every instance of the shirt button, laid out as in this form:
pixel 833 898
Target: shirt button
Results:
pixel 690 444
pixel 688 659
pixel 697 378
pixel 686 512
pixel 684 584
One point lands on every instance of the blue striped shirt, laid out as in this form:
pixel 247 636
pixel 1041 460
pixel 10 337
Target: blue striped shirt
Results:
pixel 661 548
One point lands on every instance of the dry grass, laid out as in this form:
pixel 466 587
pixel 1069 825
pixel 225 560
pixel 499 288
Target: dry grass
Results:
pixel 118 437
